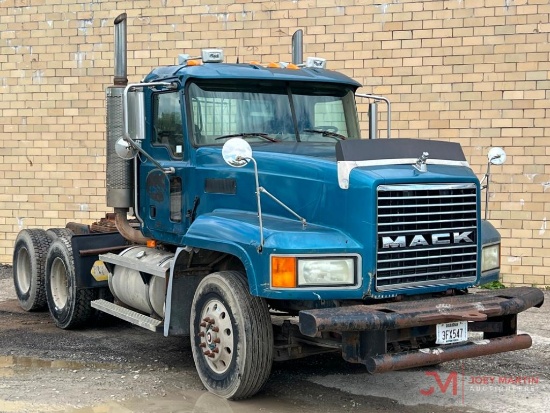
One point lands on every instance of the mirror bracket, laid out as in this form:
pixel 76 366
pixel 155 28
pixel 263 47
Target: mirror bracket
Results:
pixel 237 153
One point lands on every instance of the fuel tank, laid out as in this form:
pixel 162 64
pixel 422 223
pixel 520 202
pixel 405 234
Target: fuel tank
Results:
pixel 137 289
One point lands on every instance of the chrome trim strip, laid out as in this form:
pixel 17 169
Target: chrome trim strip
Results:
pixel 426 222
pixel 345 167
pixel 427 187
pixel 433 248
pixel 430 283
pixel 450 264
pixel 430 257
pixel 438 230
pixel 393 277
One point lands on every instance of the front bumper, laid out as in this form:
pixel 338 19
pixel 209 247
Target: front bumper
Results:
pixel 370 331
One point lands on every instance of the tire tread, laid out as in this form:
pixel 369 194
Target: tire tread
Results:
pixel 258 336
pixel 37 243
pixel 82 310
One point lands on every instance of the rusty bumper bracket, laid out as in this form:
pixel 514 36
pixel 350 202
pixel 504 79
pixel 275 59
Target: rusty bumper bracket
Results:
pixel 406 314
pixel 430 356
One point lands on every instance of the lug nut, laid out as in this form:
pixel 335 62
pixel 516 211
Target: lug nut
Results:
pixel 216 350
pixel 217 341
pixel 211 355
pixel 207 319
pixel 201 334
pixel 202 345
pixel 215 329
pixel 207 353
pixel 202 324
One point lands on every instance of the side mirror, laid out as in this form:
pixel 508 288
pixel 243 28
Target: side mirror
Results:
pixel 124 150
pixel 236 152
pixel 496 156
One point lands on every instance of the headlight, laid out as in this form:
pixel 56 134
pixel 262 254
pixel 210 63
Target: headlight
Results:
pixel 332 271
pixel 291 272
pixel 490 257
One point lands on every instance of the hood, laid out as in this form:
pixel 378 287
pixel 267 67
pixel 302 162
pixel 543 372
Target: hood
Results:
pixel 308 177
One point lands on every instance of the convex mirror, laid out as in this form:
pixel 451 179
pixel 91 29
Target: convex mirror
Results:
pixel 124 150
pixel 496 156
pixel 236 152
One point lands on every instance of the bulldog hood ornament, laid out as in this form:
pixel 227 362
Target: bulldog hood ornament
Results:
pixel 420 164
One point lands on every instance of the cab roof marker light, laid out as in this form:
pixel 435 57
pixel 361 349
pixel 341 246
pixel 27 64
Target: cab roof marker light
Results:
pixel 187 60
pixel 273 65
pixel 316 63
pixel 286 65
pixel 183 59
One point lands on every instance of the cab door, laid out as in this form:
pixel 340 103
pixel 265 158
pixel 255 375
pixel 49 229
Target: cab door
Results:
pixel 161 195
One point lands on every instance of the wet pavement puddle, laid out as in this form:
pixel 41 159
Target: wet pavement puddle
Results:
pixel 192 402
pixel 8 363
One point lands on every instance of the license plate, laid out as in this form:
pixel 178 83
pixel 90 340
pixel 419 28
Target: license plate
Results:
pixel 449 333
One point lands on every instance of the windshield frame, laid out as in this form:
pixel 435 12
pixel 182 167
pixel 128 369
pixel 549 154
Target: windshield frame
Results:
pixel 296 95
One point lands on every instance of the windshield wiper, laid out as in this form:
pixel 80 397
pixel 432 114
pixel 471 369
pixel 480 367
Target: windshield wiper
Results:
pixel 327 133
pixel 246 135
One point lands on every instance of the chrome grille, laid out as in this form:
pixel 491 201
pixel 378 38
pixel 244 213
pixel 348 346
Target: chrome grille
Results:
pixel 427 235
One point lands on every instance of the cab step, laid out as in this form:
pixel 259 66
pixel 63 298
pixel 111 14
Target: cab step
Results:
pixel 126 314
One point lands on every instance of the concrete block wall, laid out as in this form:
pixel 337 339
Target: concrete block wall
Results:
pixel 475 72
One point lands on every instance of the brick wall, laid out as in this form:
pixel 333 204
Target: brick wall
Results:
pixel 475 72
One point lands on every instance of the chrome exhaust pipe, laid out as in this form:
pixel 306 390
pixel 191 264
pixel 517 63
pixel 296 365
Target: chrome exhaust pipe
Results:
pixel 298 47
pixel 121 63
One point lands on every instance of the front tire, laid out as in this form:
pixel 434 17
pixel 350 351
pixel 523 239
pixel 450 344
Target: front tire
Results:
pixel 69 306
pixel 29 262
pixel 231 336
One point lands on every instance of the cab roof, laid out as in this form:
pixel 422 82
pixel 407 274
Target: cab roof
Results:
pixel 228 71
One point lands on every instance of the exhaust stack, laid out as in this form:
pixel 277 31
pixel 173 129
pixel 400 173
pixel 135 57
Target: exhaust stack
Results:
pixel 121 65
pixel 298 47
pixel 119 182
pixel 119 171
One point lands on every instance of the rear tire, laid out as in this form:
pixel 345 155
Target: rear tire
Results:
pixel 55 233
pixel 231 336
pixel 69 306
pixel 29 262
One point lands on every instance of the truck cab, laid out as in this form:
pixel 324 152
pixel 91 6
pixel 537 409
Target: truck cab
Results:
pixel 276 110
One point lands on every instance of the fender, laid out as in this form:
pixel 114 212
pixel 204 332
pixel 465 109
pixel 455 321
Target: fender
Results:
pixel 232 232
pixel 237 233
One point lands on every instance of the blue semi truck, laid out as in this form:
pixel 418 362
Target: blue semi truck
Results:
pixel 250 216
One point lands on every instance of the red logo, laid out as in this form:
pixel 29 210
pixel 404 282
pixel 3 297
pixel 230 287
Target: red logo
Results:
pixel 452 378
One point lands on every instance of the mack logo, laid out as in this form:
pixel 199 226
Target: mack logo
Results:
pixel 445 238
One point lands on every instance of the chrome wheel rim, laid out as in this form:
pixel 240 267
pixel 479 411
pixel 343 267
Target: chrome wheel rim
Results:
pixel 24 270
pixel 59 283
pixel 216 336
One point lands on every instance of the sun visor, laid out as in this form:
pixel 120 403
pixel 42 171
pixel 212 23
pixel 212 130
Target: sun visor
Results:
pixel 351 154
pixel 377 149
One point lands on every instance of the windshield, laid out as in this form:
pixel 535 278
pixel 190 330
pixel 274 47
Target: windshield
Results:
pixel 272 112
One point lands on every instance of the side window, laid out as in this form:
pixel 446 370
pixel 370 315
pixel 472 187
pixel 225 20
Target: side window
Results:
pixel 167 122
